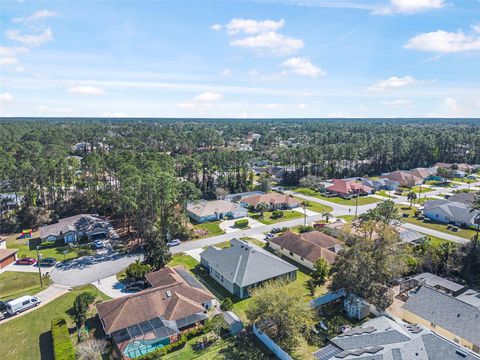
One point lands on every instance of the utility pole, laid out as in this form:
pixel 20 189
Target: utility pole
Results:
pixel 356 205
pixel 304 214
pixel 39 268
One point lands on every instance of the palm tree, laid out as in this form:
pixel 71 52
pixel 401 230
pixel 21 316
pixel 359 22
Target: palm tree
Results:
pixel 447 249
pixel 262 207
pixel 326 215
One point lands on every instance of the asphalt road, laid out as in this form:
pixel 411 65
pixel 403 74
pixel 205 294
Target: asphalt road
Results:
pixel 89 269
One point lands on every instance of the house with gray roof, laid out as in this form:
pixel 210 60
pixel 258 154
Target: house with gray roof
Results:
pixel 73 228
pixel 446 315
pixel 381 184
pixel 450 212
pixel 383 338
pixel 244 266
pixel 203 211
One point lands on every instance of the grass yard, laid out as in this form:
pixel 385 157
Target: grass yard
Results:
pixel 420 189
pixel 57 252
pixel 212 228
pixel 14 284
pixel 436 241
pixel 385 193
pixel 347 218
pixel 314 206
pixel 422 201
pixel 362 200
pixel 427 223
pixel 464 180
pixel 28 337
pixel 267 216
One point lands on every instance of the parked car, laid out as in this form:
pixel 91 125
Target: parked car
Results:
pixel 136 285
pixel 26 261
pixel 22 303
pixel 275 230
pixel 3 309
pixel 47 262
pixel 174 242
pixel 97 244
pixel 269 236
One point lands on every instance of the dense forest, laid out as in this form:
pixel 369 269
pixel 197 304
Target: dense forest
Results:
pixel 148 169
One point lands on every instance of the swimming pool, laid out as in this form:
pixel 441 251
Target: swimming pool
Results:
pixel 141 347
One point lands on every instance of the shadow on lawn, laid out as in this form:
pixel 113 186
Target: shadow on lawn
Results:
pixel 46 346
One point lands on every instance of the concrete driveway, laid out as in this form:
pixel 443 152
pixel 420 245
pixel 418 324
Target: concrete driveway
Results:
pixel 88 269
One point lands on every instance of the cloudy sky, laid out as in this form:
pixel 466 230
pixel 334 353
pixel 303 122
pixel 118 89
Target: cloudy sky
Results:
pixel 285 58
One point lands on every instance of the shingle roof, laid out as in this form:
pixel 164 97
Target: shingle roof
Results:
pixel 205 208
pixel 446 311
pixel 245 263
pixel 77 223
pixel 311 245
pixel 173 299
pixel 458 211
pixel 403 177
pixel 6 253
pixel 464 198
pixel 270 198
pixel 348 187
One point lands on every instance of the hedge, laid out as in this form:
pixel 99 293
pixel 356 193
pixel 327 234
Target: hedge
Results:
pixel 62 345
pixel 243 223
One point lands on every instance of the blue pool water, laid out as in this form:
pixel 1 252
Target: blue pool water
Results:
pixel 141 347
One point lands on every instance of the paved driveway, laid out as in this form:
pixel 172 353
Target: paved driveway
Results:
pixel 88 269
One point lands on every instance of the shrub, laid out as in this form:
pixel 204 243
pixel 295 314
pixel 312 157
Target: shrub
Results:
pixel 277 214
pixel 81 305
pixel 227 304
pixel 62 345
pixel 241 224
pixel 137 270
pixel 418 212
pixel 305 228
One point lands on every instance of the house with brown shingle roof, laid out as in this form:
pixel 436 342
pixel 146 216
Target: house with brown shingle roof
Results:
pixel 347 188
pixel 275 201
pixel 404 178
pixel 306 248
pixel 155 317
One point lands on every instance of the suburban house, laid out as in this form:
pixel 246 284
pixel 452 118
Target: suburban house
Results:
pixel 74 228
pixel 276 172
pixel 381 184
pixel 462 167
pixel 275 201
pixel 459 173
pixel 155 317
pixel 348 188
pixel 244 266
pixel 7 257
pixel 404 178
pixel 453 314
pixel 410 236
pixel 9 201
pixel 306 248
pixel 204 210
pixel 450 212
pixel 462 197
pixel 384 338
pixel 425 173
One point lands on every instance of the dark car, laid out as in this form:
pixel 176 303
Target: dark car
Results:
pixel 3 310
pixel 26 261
pixel 136 285
pixel 275 230
pixel 47 262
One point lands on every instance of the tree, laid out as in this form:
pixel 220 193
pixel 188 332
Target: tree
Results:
pixel 369 263
pixel 137 270
pixel 412 196
pixel 321 269
pixel 226 304
pixel 326 215
pixel 385 212
pixel 447 250
pixel 157 253
pixel 265 185
pixel 262 207
pixel 80 307
pixel 91 349
pixel 280 310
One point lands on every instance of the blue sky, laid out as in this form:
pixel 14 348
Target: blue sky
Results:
pixel 290 58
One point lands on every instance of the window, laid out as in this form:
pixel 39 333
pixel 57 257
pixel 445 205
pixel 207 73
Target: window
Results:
pixel 26 302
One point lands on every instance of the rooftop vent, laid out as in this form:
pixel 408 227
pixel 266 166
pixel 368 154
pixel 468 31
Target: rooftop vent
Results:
pixel 168 293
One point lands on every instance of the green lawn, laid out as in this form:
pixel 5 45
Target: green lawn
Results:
pixel 267 216
pixel 427 223
pixel 420 189
pixel 28 336
pixel 464 180
pixel 362 200
pixel 212 228
pixel 385 193
pixel 347 218
pixel 57 252
pixel 422 200
pixel 314 206
pixel 436 241
pixel 14 284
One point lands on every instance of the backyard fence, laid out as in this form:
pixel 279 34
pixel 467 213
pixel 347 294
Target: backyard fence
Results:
pixel 327 298
pixel 269 343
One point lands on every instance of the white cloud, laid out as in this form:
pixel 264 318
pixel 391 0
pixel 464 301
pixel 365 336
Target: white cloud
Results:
pixel 452 105
pixel 393 82
pixel 303 67
pixel 409 6
pixel 249 26
pixel 444 42
pixel 30 39
pixel 216 27
pixel 208 96
pixel 8 61
pixel 5 97
pixel 41 14
pixel 6 51
pixel 187 105
pixel 270 42
pixel 226 72
pixel 86 90
pixel 476 28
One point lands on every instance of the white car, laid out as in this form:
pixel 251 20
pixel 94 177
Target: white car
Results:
pixel 21 304
pixel 174 242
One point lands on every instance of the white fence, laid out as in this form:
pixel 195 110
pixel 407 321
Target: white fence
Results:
pixel 269 343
